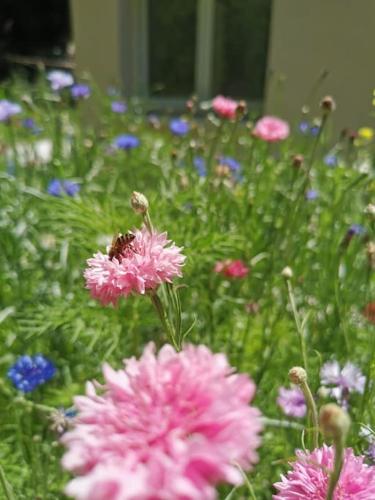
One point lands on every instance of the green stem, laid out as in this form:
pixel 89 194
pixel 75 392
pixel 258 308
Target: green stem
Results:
pixel 335 474
pixel 147 221
pixel 313 412
pixel 7 489
pixel 168 329
pixel 298 323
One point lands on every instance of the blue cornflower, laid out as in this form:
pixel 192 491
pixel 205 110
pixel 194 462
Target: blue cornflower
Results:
pixel 126 142
pixel 57 188
pixel 311 195
pixel 231 163
pixel 28 123
pixel 30 371
pixel 118 107
pixel 179 127
pixel 314 130
pixel 200 165
pixel 304 127
pixel 8 109
pixel 80 91
pixel 356 230
pixel 330 160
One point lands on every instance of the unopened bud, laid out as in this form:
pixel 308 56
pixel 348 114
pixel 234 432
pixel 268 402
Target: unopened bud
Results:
pixel 139 202
pixel 297 160
pixel 241 109
pixel 328 104
pixel 287 273
pixel 297 375
pixel 334 421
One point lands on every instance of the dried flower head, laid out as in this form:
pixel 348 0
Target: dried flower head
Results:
pixel 328 104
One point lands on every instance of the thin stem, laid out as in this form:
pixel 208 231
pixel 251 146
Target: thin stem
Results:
pixel 7 489
pixel 155 299
pixel 313 412
pixel 148 222
pixel 335 474
pixel 298 323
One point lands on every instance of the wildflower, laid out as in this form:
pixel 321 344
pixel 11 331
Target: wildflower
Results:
pixel 61 419
pixel 126 142
pixel 370 210
pixel 60 79
pixel 344 381
pixel 151 260
pixel 201 427
pixel 304 127
pixel 58 188
pixel 119 107
pixel 311 194
pixel 297 161
pixel 292 402
pixel 365 135
pixel 287 273
pixel 224 107
pixel 231 163
pixel 179 127
pixel 369 312
pixel 309 477
pixel 139 202
pixel 8 109
pixel 200 165
pixel 331 160
pixel 80 91
pixel 271 129
pixel 334 422
pixel 314 130
pixel 231 268
pixel 356 229
pixel 328 104
pixel 30 371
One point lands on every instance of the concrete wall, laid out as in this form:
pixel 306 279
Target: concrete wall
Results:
pixel 311 36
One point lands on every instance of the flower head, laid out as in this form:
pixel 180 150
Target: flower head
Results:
pixel 154 431
pixel 126 142
pixel 8 109
pixel 311 195
pixel 271 129
pixel 231 163
pixel 60 79
pixel 179 127
pixel 292 402
pixel 231 268
pixel 331 160
pixel 224 107
pixel 80 91
pixel 30 371
pixel 151 260
pixel 309 477
pixel 200 165
pixel 343 381
pixel 119 107
pixel 58 188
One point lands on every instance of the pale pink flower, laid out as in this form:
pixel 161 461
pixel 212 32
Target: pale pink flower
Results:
pixel 292 402
pixel 309 477
pixel 271 129
pixel 151 259
pixel 224 107
pixel 168 426
pixel 231 268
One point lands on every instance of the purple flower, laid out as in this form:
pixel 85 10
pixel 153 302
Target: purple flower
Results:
pixel 292 402
pixel 343 381
pixel 356 230
pixel 8 109
pixel 371 451
pixel 30 371
pixel 311 195
pixel 231 163
pixel 304 127
pixel 71 188
pixel 119 107
pixel 60 79
pixel 126 142
pixel 331 160
pixel 200 165
pixel 179 127
pixel 314 130
pixel 58 188
pixel 28 123
pixel 80 91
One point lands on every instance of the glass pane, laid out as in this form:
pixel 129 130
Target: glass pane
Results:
pixel 241 43
pixel 172 33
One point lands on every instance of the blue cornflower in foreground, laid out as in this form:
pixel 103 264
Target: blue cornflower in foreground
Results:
pixel 57 188
pixel 80 91
pixel 179 127
pixel 30 371
pixel 200 165
pixel 119 107
pixel 231 163
pixel 8 109
pixel 126 142
pixel 311 195
pixel 331 160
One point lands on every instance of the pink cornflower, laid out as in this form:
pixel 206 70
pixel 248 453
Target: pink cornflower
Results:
pixel 168 426
pixel 150 260
pixel 271 129
pixel 231 268
pixel 224 107
pixel 309 477
pixel 292 402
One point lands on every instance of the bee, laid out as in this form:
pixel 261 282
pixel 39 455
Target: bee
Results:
pixel 120 243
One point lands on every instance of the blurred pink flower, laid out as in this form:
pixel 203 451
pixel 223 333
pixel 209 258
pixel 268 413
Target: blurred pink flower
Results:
pixel 151 260
pixel 224 107
pixel 231 268
pixel 292 402
pixel 271 129
pixel 168 426
pixel 309 479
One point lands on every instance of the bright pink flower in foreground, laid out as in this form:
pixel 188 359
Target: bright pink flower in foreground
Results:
pixel 271 129
pixel 168 426
pixel 309 477
pixel 231 268
pixel 151 260
pixel 224 107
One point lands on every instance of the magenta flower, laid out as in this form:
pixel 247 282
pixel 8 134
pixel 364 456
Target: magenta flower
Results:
pixel 271 129
pixel 224 107
pixel 155 431
pixel 309 477
pixel 231 268
pixel 150 260
pixel 342 381
pixel 292 402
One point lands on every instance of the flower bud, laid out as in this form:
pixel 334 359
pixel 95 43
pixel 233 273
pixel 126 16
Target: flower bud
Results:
pixel 334 421
pixel 297 161
pixel 139 202
pixel 287 273
pixel 328 104
pixel 297 375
